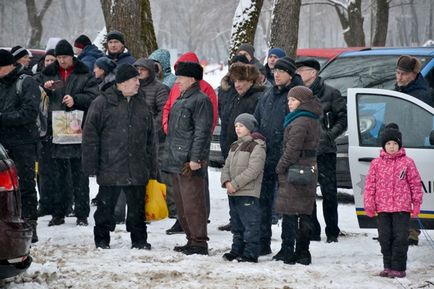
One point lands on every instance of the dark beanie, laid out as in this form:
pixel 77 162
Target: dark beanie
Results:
pixel 279 52
pixel 19 52
pixel 82 41
pixel 239 58
pixel 286 64
pixel 309 62
pixel 191 69
pixel 63 48
pixel 116 35
pixel 247 48
pixel 301 93
pixel 6 58
pixel 50 52
pixel 391 132
pixel 248 120
pixel 124 72
pixel 408 63
pixel 105 64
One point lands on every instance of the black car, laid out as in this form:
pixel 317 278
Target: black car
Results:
pixel 16 235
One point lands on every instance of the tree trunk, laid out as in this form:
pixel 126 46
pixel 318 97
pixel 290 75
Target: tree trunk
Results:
pixel 414 25
pixel 139 35
pixel 352 22
pixel 244 24
pixel 35 21
pixel 284 26
pixel 381 23
pixel 429 31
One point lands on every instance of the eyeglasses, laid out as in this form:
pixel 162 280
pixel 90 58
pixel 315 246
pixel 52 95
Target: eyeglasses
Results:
pixel 304 69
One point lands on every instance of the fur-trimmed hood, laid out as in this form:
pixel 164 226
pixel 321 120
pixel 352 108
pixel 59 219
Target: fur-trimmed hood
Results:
pixel 53 68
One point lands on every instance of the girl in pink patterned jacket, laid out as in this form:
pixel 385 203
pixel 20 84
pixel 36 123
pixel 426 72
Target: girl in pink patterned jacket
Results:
pixel 393 190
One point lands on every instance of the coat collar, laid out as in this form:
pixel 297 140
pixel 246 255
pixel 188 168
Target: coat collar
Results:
pixel 53 68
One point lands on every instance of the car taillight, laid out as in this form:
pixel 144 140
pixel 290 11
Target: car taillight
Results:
pixel 8 180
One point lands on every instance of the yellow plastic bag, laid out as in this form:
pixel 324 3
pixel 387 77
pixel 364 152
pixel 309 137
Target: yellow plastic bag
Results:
pixel 155 201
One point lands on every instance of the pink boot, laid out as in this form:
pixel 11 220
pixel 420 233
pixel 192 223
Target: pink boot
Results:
pixel 385 272
pixel 396 274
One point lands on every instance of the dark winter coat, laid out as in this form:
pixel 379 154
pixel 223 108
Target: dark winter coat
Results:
pixel 163 57
pixel 242 104
pixel 123 57
pixel 269 74
pixel 270 113
pixel 89 55
pixel 301 141
pixel 189 134
pixel 334 118
pixel 418 88
pixel 83 88
pixel 18 112
pixel 118 140
pixel 155 95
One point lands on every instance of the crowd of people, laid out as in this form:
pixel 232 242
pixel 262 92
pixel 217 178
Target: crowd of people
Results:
pixel 141 122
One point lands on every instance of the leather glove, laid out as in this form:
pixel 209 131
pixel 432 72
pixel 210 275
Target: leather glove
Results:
pixel 415 213
pixel 186 170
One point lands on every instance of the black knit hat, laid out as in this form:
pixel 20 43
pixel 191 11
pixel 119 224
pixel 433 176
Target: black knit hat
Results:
pixel 247 48
pixel 286 64
pixel 50 52
pixel 63 48
pixel 248 120
pixel 116 35
pixel 191 69
pixel 105 64
pixel 19 52
pixel 391 132
pixel 82 41
pixel 6 58
pixel 124 72
pixel 239 58
pixel 309 62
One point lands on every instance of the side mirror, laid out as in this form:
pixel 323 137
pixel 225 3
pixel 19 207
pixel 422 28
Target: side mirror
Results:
pixel 431 138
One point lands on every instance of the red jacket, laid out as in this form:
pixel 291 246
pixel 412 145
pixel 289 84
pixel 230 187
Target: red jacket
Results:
pixel 205 87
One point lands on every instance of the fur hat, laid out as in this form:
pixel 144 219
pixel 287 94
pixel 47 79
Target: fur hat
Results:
pixel 309 62
pixel 248 120
pixel 241 71
pixel 279 52
pixel 391 132
pixel 286 64
pixel 19 52
pixel 105 64
pixel 301 93
pixel 247 48
pixel 6 58
pixel 408 63
pixel 64 48
pixel 116 35
pixel 190 69
pixel 82 41
pixel 125 72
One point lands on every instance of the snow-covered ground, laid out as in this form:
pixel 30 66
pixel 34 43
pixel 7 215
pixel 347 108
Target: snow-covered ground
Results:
pixel 65 257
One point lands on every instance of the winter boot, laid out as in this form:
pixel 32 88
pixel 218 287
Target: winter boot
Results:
pixel 56 221
pixel 396 274
pixel 230 256
pixel 265 249
pixel 247 259
pixel 226 227
pixel 181 248
pixel 101 237
pixel 34 224
pixel 82 222
pixel 385 272
pixel 304 257
pixel 199 250
pixel 176 229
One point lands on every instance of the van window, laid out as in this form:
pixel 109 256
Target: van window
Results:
pixel 376 111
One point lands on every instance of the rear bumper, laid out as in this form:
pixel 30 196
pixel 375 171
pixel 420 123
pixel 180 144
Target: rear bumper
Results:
pixel 8 270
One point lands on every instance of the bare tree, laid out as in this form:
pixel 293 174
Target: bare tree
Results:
pixel 134 19
pixel 381 23
pixel 244 23
pixel 284 26
pixel 350 16
pixel 35 21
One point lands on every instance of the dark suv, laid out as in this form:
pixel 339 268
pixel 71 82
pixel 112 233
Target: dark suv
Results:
pixel 15 234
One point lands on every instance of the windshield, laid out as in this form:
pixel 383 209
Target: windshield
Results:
pixel 363 71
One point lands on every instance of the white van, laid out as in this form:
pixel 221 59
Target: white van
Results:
pixel 369 110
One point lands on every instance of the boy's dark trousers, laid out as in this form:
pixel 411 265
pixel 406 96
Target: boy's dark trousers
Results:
pixel 245 225
pixel 393 238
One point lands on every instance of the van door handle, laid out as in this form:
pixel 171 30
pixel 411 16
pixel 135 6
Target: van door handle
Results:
pixel 366 160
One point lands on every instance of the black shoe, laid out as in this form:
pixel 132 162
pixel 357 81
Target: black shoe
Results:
pixel 180 248
pixel 230 256
pixel 102 245
pixel 412 242
pixel 176 229
pixel 226 227
pixel 82 222
pixel 94 202
pixel 316 238
pixel 265 250
pixel 43 212
pixel 190 250
pixel 34 224
pixel 56 221
pixel 247 259
pixel 304 258
pixel 280 256
pixel 290 258
pixel 141 246
pixel 331 239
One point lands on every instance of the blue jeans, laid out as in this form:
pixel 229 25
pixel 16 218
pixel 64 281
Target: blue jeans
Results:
pixel 245 223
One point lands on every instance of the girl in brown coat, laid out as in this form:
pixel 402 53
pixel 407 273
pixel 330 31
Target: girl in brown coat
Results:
pixel 295 201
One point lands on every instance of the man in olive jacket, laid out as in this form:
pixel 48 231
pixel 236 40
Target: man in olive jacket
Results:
pixel 188 141
pixel 118 147
pixel 333 124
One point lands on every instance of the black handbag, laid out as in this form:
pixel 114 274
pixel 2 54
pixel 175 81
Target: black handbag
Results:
pixel 302 174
